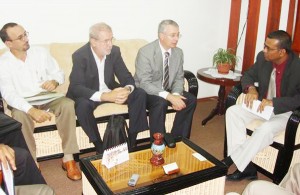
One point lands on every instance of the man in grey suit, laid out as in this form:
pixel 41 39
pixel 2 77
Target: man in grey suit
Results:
pixel 92 82
pixel 159 71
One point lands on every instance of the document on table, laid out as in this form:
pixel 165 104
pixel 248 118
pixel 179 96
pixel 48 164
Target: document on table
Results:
pixel 266 114
pixel 8 179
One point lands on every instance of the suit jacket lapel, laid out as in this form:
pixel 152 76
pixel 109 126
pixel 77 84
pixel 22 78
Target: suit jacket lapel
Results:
pixel 94 68
pixel 107 69
pixel 158 59
pixel 172 65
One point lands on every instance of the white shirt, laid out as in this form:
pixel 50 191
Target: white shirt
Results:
pixel 20 79
pixel 164 94
pixel 102 86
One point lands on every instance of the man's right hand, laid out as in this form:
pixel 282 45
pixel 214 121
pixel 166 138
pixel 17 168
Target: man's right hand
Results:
pixel 39 115
pixel 7 154
pixel 118 95
pixel 251 96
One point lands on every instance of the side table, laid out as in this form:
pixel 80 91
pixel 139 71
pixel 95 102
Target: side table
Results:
pixel 223 82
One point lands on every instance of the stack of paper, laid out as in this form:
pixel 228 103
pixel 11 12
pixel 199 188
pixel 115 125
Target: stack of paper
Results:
pixel 8 179
pixel 43 98
pixel 214 73
pixel 266 114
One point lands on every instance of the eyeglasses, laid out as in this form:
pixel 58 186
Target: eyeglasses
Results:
pixel 267 48
pixel 107 41
pixel 21 37
pixel 172 36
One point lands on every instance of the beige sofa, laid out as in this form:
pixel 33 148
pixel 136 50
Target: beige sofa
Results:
pixel 47 138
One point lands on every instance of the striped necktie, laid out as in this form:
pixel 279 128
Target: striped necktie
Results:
pixel 166 72
pixel 272 85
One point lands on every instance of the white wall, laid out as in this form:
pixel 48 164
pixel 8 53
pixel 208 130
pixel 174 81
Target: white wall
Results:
pixel 203 24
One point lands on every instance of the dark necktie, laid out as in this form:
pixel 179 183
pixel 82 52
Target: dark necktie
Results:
pixel 166 72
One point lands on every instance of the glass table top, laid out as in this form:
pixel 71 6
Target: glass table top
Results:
pixel 116 178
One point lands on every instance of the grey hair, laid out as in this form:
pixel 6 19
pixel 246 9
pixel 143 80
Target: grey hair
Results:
pixel 162 25
pixel 96 28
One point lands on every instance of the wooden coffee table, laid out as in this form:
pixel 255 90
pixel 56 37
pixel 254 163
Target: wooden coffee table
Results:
pixel 195 176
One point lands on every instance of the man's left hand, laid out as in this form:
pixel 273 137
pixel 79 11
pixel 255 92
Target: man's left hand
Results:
pixel 176 101
pixel 263 104
pixel 50 85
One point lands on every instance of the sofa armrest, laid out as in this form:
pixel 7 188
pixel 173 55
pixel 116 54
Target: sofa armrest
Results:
pixel 233 95
pixel 292 127
pixel 291 131
pixel 285 155
pixel 192 82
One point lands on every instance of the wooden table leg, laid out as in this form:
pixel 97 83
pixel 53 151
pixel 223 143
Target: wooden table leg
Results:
pixel 220 108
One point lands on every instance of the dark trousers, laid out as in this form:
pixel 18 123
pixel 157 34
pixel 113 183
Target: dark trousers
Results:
pixel 27 171
pixel 136 101
pixel 158 106
pixel 10 132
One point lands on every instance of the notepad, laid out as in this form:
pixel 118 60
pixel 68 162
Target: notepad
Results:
pixel 171 168
pixel 199 156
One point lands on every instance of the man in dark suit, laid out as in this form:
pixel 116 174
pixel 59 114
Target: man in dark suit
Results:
pixel 276 74
pixel 165 89
pixel 92 82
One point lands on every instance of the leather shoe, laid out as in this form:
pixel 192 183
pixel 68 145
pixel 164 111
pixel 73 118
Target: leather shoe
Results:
pixel 238 176
pixel 72 171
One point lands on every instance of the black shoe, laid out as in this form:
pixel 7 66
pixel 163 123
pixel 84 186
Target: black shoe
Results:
pixel 169 140
pixel 98 147
pixel 249 173
pixel 227 161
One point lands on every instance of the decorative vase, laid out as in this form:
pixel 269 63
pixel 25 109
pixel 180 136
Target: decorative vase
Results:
pixel 224 68
pixel 157 149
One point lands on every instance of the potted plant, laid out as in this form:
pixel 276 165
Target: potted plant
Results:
pixel 224 60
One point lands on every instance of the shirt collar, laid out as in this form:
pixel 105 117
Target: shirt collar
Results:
pixel 96 57
pixel 280 67
pixel 163 50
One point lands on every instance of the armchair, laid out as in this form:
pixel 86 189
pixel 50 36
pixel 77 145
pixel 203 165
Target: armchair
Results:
pixel 275 160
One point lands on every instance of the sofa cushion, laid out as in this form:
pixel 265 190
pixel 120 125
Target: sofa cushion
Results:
pixel 62 52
